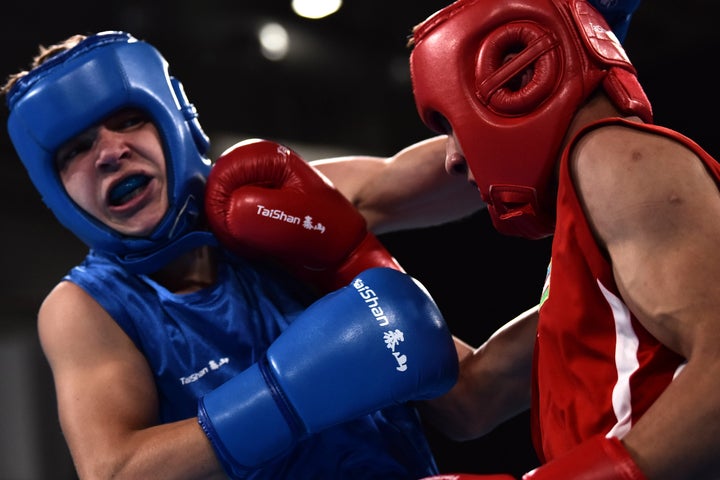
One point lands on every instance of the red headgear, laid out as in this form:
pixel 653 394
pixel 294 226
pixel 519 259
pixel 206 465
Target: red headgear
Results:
pixel 509 75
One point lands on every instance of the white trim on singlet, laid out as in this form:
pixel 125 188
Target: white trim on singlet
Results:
pixel 626 363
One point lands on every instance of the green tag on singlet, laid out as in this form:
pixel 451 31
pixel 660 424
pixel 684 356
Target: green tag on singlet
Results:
pixel 546 286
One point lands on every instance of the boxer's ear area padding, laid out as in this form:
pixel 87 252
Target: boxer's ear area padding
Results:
pixel 517 68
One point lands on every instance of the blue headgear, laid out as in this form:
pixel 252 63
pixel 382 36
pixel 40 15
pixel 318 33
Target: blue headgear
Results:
pixel 77 89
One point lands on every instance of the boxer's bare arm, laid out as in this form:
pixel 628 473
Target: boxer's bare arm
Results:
pixel 107 398
pixel 496 376
pixel 410 189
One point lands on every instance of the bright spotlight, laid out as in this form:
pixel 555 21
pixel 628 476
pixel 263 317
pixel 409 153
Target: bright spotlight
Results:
pixel 274 41
pixel 315 8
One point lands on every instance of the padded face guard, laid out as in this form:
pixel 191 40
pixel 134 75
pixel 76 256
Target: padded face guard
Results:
pixel 508 76
pixel 78 88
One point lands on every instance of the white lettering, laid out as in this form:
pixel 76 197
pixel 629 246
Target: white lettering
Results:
pixel 277 214
pixel 213 364
pixel 392 338
pixel 372 301
pixel 402 361
pixel 194 377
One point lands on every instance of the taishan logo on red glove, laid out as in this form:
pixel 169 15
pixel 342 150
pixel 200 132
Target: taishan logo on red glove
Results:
pixel 277 214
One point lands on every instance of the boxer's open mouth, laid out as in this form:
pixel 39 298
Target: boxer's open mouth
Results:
pixel 127 189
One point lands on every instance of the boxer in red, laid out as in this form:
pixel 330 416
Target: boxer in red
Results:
pixel 543 109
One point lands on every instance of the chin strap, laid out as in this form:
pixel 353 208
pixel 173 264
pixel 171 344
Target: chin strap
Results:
pixel 146 263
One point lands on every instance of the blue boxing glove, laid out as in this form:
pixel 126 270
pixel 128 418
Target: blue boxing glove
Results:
pixel 376 342
pixel 617 13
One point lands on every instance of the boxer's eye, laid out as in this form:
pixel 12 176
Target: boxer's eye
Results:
pixel 77 146
pixel 126 120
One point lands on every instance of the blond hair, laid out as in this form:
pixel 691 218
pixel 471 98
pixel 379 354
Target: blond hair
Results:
pixel 43 54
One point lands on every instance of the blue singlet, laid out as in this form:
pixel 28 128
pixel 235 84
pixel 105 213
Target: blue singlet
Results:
pixel 195 342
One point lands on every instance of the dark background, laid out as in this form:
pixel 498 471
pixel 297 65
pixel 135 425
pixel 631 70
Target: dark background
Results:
pixel 344 89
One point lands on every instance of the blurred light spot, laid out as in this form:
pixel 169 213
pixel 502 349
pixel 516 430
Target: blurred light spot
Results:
pixel 399 70
pixel 315 8
pixel 274 42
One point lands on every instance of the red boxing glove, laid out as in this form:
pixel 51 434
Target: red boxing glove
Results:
pixel 599 458
pixel 263 201
pixel 468 476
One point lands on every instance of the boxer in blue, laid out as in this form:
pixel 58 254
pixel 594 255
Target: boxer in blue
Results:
pixel 174 358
